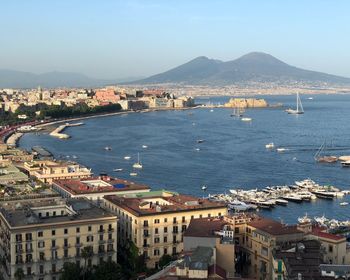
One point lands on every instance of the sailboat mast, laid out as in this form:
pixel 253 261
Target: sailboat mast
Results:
pixel 297 101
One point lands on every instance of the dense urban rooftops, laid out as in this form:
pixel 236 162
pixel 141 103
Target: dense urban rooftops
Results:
pixel 100 184
pixel 205 227
pixel 50 211
pixel 166 203
pixel 273 227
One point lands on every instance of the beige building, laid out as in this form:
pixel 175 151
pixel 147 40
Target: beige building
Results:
pixel 48 170
pixel 39 236
pixel 155 221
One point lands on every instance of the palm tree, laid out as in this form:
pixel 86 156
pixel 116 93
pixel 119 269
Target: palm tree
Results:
pixel 86 253
pixel 19 274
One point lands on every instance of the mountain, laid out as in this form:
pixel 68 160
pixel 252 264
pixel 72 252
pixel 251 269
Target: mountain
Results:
pixel 252 67
pixel 19 79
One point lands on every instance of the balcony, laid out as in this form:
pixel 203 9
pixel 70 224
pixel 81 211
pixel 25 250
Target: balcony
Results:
pixel 29 250
pixel 79 245
pixel 110 240
pixel 66 246
pixel 145 225
pixel 110 229
pixel 101 241
pixel 146 235
pixel 145 245
pixel 101 230
pixel 54 247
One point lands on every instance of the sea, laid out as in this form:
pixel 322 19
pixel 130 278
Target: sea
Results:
pixel 232 154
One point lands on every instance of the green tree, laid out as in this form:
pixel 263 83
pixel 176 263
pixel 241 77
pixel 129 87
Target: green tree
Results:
pixel 70 271
pixel 165 260
pixel 86 253
pixel 19 274
pixel 109 271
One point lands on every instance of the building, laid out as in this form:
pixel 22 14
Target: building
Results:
pixel 217 234
pixel 97 187
pixel 47 171
pixel 262 235
pixel 335 271
pixel 298 261
pixel 106 95
pixel 11 174
pixel 155 221
pixel 40 235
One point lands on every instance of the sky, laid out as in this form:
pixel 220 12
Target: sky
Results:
pixel 118 39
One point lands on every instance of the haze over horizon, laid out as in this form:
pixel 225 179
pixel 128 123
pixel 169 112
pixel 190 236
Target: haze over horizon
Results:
pixel 118 39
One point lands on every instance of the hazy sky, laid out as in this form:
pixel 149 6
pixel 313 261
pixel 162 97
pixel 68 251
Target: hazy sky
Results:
pixel 116 39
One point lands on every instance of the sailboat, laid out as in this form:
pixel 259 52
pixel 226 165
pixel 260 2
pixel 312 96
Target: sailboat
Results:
pixel 138 163
pixel 299 109
pixel 237 112
pixel 327 159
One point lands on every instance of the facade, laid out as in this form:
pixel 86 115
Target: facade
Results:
pixel 106 95
pixel 47 171
pixel 40 235
pixel 97 187
pixel 217 234
pixel 155 221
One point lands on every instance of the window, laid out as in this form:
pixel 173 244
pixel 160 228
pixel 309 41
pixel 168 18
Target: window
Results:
pixel 165 220
pixel 236 229
pixel 54 213
pixel 174 220
pixel 28 237
pixel 165 251
pixel 175 229
pixel 77 240
pixel 101 228
pixel 200 216
pixel 41 269
pixel 53 243
pixel 65 231
pixel 183 219
pixel 330 248
pixel 40 234
pixel 53 232
pixel 183 228
pixel 145 232
pixel 42 256
pixel 165 230
pixel 156 221
pixel 47 214
pixel 77 230
pixel 219 214
pixel 41 244
pixel 110 236
pixel 174 250
pixel 89 228
pixel 18 237
pixel 110 227
pixel 145 223
pixel 165 239
pixel 209 215
pixel 156 252
pixel 65 241
pixel 89 238
pixel 192 217
pixel 264 251
pixel 101 237
pixel 156 240
pixel 156 231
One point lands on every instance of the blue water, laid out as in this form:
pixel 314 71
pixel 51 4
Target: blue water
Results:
pixel 233 154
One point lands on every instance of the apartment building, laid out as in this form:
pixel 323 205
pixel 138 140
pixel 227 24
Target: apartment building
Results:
pixel 155 221
pixel 38 236
pixel 95 188
pixel 47 171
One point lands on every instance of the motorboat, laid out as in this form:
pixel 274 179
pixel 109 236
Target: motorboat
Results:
pixel 144 146
pixel 200 141
pixel 137 164
pixel 133 174
pixel 118 169
pixel 280 201
pixel 324 194
pixel 345 163
pixel 343 203
pixel 127 157
pixel 293 198
pixel 281 150
pixel 270 145
pixel 107 148
pixel 245 119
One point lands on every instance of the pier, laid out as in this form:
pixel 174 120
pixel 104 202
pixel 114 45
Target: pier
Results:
pixel 58 131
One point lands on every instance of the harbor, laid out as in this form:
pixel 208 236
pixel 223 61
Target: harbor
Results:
pixel 57 132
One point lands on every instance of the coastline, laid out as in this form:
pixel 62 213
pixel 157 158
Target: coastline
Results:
pixel 13 137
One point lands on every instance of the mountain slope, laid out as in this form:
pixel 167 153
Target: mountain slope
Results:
pixel 252 67
pixel 19 79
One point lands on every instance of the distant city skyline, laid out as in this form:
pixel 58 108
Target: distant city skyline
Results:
pixel 119 39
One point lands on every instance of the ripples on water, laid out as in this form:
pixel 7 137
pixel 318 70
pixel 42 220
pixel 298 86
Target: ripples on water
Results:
pixel 233 154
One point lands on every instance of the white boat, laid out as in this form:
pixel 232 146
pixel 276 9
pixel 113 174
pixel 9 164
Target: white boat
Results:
pixel 304 219
pixel 343 203
pixel 270 145
pixel 118 169
pixel 281 150
pixel 127 157
pixel 211 110
pixel 197 149
pixel 107 148
pixel 345 163
pixel 144 146
pixel 137 164
pixel 200 141
pixel 298 110
pixel 133 174
pixel 280 201
pixel 204 187
pixel 245 119
pixel 310 98
pixel 238 205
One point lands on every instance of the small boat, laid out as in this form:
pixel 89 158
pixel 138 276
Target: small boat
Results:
pixel 245 119
pixel 118 169
pixel 197 149
pixel 280 201
pixel 133 174
pixel 343 203
pixel 204 187
pixel 281 150
pixel 74 156
pixel 345 163
pixel 211 110
pixel 137 164
pixel 324 194
pixel 107 148
pixel 310 98
pixel 293 198
pixel 200 141
pixel 324 158
pixel 270 145
pixel 144 146
pixel 127 157
pixel 299 109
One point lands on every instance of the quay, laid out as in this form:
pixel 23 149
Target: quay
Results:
pixel 57 132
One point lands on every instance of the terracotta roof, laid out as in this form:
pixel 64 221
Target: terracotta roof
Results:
pixel 205 227
pixel 273 227
pixel 174 203
pixel 78 187
pixel 320 232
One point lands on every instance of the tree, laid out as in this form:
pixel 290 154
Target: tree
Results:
pixel 109 271
pixel 70 271
pixel 19 274
pixel 86 253
pixel 165 260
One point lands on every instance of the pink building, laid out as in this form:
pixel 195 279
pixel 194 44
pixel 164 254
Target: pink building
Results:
pixel 106 95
